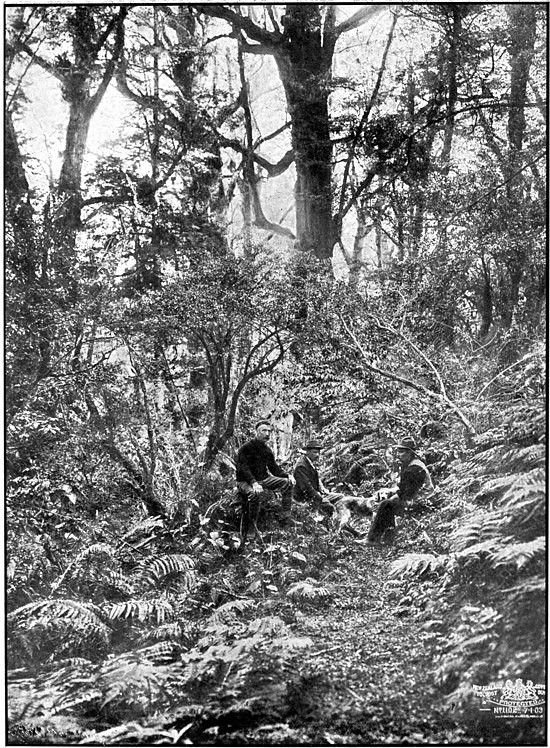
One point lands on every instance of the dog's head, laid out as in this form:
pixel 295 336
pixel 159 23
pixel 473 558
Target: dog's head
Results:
pixel 364 506
pixel 383 493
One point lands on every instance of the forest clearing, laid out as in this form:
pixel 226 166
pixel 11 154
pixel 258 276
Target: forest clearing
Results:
pixel 308 234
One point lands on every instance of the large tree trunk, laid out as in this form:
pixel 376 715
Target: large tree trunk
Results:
pixel 304 64
pixel 522 34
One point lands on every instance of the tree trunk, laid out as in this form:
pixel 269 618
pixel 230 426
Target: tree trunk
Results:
pixel 522 35
pixel 304 63
pixel 456 12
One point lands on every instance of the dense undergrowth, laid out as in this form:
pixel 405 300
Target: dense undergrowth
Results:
pixel 157 631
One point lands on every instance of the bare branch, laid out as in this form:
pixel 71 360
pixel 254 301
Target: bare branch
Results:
pixel 274 170
pixel 403 380
pixel 272 135
pixel 257 49
pixel 118 21
pixel 359 18
pixel 257 33
pixel 366 115
pixel 416 349
pixel 500 373
pixel 41 61
pixel 262 222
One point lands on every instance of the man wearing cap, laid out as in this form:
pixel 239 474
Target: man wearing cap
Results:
pixel 256 471
pixel 414 479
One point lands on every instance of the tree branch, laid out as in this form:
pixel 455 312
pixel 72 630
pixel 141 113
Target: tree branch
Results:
pixel 359 18
pixel 260 219
pixel 403 380
pixel 365 116
pixel 274 170
pixel 416 349
pixel 257 33
pixel 41 61
pixel 272 135
pixel 118 21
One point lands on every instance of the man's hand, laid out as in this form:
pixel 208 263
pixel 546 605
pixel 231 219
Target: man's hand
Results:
pixel 292 480
pixel 257 488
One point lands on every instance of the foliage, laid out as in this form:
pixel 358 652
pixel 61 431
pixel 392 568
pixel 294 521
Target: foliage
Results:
pixel 154 313
pixel 485 590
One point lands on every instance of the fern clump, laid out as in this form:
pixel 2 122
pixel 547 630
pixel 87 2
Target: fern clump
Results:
pixel 487 588
pixel 308 592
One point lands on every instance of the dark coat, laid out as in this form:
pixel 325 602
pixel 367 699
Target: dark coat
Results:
pixel 413 478
pixel 254 460
pixel 308 487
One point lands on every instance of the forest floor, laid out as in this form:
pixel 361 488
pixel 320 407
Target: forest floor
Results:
pixel 369 661
pixel 367 679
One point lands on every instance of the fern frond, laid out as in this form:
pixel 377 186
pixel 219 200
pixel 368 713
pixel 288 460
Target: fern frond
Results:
pixel 485 549
pixel 162 652
pixel 155 568
pixel 519 554
pixel 58 629
pixel 174 631
pixel 97 549
pixel 143 610
pixel 534 586
pixel 493 489
pixel 46 610
pixel 291 643
pixel 478 527
pixel 308 590
pixel 417 564
pixel 227 612
pixel 117 581
pixel 268 626
pixel 525 458
pixel 145 526
pixel 526 497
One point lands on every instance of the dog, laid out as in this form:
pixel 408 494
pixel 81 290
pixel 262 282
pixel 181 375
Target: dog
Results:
pixel 362 506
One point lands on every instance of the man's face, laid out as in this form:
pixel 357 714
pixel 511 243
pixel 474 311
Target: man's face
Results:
pixel 404 456
pixel 263 432
pixel 313 455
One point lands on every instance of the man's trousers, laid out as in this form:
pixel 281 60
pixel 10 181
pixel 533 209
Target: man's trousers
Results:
pixel 251 502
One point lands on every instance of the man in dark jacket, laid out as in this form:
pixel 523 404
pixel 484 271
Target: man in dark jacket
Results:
pixel 414 479
pixel 257 471
pixel 310 489
pixel 308 483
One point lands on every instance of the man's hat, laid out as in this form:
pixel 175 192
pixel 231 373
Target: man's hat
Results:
pixel 407 443
pixel 314 444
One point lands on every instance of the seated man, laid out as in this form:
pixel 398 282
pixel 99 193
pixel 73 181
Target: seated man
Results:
pixel 256 471
pixel 414 478
pixel 309 488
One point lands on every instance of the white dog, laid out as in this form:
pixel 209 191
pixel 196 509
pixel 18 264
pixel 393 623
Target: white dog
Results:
pixel 345 506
